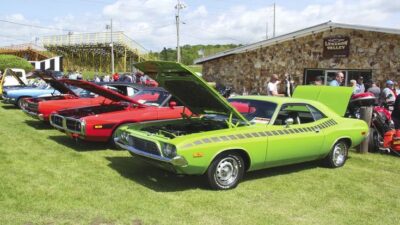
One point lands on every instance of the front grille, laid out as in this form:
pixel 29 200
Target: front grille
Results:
pixel 73 125
pixel 57 120
pixel 144 145
pixel 32 106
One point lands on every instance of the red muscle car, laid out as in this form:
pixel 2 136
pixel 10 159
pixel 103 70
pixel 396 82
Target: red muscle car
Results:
pixel 91 94
pixel 98 123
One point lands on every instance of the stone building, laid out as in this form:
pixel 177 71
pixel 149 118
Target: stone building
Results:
pixel 306 54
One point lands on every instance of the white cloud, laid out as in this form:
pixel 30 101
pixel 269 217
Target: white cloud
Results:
pixel 152 22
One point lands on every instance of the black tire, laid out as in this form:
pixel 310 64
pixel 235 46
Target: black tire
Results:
pixel 19 102
pixel 225 171
pixel 112 143
pixel 338 155
pixel 373 141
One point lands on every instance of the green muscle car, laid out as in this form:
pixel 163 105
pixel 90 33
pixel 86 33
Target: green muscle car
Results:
pixel 222 140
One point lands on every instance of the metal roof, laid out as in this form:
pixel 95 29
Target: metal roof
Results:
pixel 296 34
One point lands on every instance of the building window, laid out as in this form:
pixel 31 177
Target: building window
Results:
pixel 327 75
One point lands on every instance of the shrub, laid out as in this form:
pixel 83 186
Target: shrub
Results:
pixel 11 61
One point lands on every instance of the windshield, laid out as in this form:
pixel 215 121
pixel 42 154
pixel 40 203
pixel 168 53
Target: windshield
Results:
pixel 81 92
pixel 254 110
pixel 151 97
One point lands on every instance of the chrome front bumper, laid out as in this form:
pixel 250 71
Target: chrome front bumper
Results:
pixel 64 126
pixel 33 114
pixel 9 100
pixel 176 161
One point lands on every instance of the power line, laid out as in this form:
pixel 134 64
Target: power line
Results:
pixel 35 26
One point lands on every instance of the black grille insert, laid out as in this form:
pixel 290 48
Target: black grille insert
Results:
pixel 73 125
pixel 32 106
pixel 57 120
pixel 144 145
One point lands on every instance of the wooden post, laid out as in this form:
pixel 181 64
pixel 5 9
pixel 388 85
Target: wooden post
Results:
pixel 366 115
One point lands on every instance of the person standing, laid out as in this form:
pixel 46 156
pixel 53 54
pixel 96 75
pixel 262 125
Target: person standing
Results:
pixel 289 85
pixel 374 89
pixel 387 95
pixel 106 78
pixel 318 81
pixel 272 86
pixel 115 77
pixel 338 79
pixel 360 88
pixel 353 84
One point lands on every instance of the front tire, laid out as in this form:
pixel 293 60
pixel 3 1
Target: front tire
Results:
pixel 19 102
pixel 112 143
pixel 225 171
pixel 338 155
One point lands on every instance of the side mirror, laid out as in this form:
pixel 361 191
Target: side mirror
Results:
pixel 289 121
pixel 172 104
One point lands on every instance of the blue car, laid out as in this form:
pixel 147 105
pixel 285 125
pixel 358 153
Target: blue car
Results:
pixel 50 87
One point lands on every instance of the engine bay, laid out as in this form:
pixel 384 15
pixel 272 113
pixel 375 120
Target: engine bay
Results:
pixel 185 127
pixel 78 113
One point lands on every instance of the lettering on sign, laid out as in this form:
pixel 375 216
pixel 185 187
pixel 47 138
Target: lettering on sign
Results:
pixel 336 47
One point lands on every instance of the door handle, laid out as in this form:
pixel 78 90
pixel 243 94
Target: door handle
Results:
pixel 317 130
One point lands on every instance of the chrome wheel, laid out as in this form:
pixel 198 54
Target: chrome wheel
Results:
pixel 227 171
pixel 339 153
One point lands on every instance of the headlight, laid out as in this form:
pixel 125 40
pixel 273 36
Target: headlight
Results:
pixel 124 136
pixel 169 150
pixel 82 125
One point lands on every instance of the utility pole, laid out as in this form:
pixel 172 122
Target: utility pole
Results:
pixel 178 7
pixel 273 34
pixel 112 46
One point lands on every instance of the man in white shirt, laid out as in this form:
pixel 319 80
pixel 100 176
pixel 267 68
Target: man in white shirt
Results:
pixel 388 95
pixel 272 86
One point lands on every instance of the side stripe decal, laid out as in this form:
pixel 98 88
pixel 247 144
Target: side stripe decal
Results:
pixel 289 131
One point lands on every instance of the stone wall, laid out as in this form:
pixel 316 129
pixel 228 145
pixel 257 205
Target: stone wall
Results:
pixel 379 52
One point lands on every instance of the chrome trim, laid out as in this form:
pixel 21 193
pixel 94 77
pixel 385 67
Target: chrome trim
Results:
pixel 176 161
pixel 55 125
pixel 9 100
pixel 82 132
pixel 64 127
pixel 30 113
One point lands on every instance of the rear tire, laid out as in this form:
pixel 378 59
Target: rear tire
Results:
pixel 373 141
pixel 225 171
pixel 338 155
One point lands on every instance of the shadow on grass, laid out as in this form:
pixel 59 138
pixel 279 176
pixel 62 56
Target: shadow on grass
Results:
pixel 9 107
pixel 39 125
pixel 152 177
pixel 80 145
pixel 281 170
pixel 163 181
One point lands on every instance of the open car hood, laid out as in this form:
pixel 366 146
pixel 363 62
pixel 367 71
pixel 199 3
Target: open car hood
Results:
pixel 10 72
pixel 54 83
pixel 336 98
pixel 97 89
pixel 189 88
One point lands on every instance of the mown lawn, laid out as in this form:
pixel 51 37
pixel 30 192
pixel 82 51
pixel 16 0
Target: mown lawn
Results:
pixel 47 178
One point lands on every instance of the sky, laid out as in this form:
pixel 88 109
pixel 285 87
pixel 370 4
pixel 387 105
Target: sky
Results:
pixel 151 23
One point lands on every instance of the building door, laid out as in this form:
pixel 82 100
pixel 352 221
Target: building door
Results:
pixel 331 75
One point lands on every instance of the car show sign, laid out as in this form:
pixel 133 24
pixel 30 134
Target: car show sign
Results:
pixel 336 47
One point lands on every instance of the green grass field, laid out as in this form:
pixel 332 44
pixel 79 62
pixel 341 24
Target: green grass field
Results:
pixel 48 178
